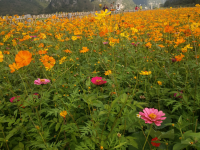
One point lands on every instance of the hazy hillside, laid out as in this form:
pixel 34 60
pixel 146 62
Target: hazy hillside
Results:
pixel 180 2
pixel 21 7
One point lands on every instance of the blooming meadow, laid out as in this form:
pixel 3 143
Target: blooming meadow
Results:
pixel 110 81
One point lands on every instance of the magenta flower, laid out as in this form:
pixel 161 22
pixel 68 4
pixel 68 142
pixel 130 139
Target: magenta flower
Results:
pixel 41 81
pixel 98 81
pixel 173 59
pixel 152 115
pixel 37 94
pixel 135 44
pixel 178 96
pixel 13 98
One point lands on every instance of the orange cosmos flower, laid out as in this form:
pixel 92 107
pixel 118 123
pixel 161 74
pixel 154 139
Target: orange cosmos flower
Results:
pixel 6 52
pixel 84 50
pixel 23 58
pixel 48 62
pixel 179 57
pixel 63 114
pixel 148 45
pixel 169 29
pixel 41 45
pixel 42 36
pixel 67 51
pixel 13 67
pixel 42 52
pixel 161 46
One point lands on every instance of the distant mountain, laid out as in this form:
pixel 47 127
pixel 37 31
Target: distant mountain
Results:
pixel 20 7
pixel 180 2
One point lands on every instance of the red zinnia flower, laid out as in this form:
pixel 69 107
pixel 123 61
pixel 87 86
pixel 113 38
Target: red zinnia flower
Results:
pixel 155 144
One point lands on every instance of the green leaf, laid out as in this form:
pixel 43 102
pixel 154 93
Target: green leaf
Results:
pixel 103 96
pixel 189 134
pixel 57 126
pixel 169 135
pixel 21 145
pixel 179 146
pixel 140 140
pixel 97 103
pixel 114 102
pixel 102 113
pixel 131 141
pixel 124 98
pixel 154 133
pixel 88 82
pixel 121 144
pixel 180 120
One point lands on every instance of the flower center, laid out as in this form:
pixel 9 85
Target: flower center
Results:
pixel 152 116
pixel 98 80
pixel 42 80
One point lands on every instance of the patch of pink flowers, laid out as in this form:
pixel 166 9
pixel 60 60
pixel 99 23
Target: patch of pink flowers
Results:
pixel 13 98
pixel 151 115
pixel 41 81
pixel 105 43
pixel 98 81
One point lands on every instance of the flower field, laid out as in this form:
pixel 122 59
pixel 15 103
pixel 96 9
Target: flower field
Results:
pixel 126 81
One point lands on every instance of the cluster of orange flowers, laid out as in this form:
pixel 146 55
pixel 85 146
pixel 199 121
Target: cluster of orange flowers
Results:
pixel 48 61
pixel 171 29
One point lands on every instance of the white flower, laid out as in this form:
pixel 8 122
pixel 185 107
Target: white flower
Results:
pixel 138 115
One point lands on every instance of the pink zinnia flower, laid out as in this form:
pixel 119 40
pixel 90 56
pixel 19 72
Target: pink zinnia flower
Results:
pixel 41 81
pixel 152 115
pixel 13 98
pixel 98 81
pixel 105 43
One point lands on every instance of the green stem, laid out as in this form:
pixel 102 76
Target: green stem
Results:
pixel 4 137
pixel 59 132
pixel 147 137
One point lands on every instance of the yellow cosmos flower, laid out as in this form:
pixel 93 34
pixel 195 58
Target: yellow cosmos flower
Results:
pixel 108 72
pixel 63 114
pixel 74 38
pixel 1 56
pixel 159 82
pixel 145 72
pixel 102 14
